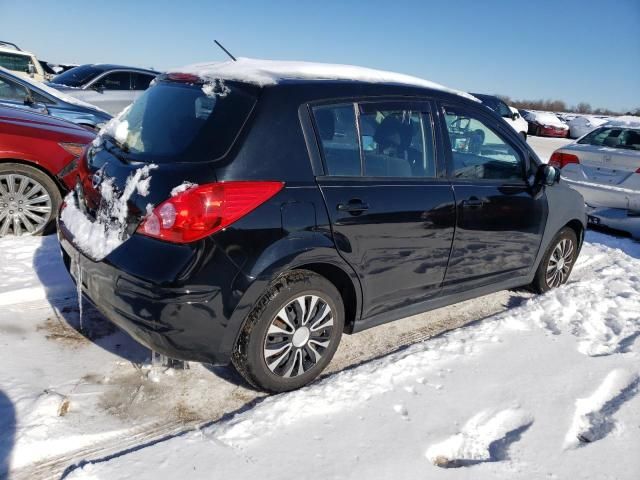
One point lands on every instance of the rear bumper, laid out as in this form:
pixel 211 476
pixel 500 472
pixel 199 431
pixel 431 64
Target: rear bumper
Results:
pixel 616 218
pixel 160 297
pixel 601 195
pixel 552 132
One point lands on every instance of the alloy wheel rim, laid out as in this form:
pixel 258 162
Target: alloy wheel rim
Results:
pixel 25 205
pixel 298 336
pixel 560 263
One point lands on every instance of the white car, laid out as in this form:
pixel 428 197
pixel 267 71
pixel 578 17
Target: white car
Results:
pixel 20 62
pixel 582 125
pixel 604 166
pixel 508 114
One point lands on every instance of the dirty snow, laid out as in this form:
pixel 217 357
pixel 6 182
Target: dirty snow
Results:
pixel 183 187
pixel 271 72
pixel 97 238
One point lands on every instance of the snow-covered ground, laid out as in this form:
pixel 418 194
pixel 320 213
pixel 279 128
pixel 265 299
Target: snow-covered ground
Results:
pixel 538 387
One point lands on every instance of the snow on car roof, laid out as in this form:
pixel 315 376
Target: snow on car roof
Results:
pixel 272 72
pixel 624 121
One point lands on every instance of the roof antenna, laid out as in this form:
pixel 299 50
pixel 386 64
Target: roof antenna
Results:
pixel 226 51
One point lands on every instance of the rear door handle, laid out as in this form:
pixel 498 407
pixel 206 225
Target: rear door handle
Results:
pixel 472 203
pixel 353 206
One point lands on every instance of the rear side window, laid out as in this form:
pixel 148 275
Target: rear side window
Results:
pixel 115 81
pixel 382 140
pixel 396 142
pixel 141 81
pixel 478 151
pixel 12 91
pixel 179 122
pixel 15 62
pixel 338 136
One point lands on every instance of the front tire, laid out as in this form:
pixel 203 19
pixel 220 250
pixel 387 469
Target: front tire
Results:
pixel 29 200
pixel 558 261
pixel 291 334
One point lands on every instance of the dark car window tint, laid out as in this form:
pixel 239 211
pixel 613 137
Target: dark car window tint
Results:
pixel 178 122
pixel 396 143
pixel 141 81
pixel 12 91
pixel 77 76
pixel 17 63
pixel 478 151
pixel 336 126
pixel 115 81
pixel 607 137
pixel 631 140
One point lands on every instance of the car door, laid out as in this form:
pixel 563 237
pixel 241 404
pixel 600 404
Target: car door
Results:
pixel 111 92
pixel 500 218
pixel 392 212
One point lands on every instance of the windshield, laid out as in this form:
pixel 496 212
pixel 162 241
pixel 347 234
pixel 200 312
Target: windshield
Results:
pixel 179 122
pixel 77 76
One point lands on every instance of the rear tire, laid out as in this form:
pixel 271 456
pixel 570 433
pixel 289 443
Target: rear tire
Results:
pixel 557 263
pixel 291 334
pixel 29 200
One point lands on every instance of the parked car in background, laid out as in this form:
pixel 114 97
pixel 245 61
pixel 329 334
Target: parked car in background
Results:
pixel 20 62
pixel 581 125
pixel 604 166
pixel 511 116
pixel 546 124
pixel 20 92
pixel 110 87
pixel 53 69
pixel 38 158
pixel 288 209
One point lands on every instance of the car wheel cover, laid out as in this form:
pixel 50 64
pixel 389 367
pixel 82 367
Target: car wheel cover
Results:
pixel 25 205
pixel 560 262
pixel 298 336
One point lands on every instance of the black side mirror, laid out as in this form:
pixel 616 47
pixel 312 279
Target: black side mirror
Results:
pixel 547 175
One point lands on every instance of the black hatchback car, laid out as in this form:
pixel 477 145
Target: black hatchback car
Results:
pixel 254 212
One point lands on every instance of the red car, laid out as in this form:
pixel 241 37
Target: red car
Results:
pixel 38 156
pixel 546 124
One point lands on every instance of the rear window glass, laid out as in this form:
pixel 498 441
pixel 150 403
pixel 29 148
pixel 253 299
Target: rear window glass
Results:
pixel 614 137
pixel 77 76
pixel 178 122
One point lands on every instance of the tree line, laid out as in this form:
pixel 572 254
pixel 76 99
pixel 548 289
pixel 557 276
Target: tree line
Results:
pixel 561 106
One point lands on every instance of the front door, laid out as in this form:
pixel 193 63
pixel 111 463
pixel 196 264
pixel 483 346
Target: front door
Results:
pixel 500 219
pixel 391 210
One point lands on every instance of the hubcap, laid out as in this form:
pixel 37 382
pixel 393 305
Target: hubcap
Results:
pixel 298 336
pixel 560 263
pixel 25 205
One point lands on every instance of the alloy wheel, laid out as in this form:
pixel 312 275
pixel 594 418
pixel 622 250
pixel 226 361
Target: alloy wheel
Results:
pixel 298 336
pixel 25 205
pixel 560 263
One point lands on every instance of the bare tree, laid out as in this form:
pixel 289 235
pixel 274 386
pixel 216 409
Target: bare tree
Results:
pixel 583 107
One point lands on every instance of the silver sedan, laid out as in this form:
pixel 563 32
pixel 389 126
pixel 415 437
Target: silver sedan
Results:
pixel 604 166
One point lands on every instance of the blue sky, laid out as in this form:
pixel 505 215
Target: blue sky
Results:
pixel 566 49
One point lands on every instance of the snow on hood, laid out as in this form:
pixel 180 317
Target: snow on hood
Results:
pixel 547 118
pixel 272 72
pixel 98 238
pixel 58 94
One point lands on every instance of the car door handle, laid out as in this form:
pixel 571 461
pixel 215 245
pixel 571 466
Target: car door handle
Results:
pixel 353 207
pixel 472 203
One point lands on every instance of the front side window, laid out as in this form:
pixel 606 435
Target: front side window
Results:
pixel 115 81
pixel 336 128
pixel 478 151
pixel 12 91
pixel 15 62
pixel 396 142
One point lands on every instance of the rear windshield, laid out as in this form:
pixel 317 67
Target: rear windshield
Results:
pixel 77 76
pixel 179 122
pixel 614 137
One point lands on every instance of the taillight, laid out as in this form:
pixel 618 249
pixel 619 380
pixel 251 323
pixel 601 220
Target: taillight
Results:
pixel 559 159
pixel 203 210
pixel 74 149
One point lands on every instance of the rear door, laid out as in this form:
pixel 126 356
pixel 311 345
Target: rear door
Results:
pixel 500 221
pixel 391 210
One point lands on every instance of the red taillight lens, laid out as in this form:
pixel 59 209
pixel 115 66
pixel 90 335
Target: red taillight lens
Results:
pixel 559 160
pixel 202 210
